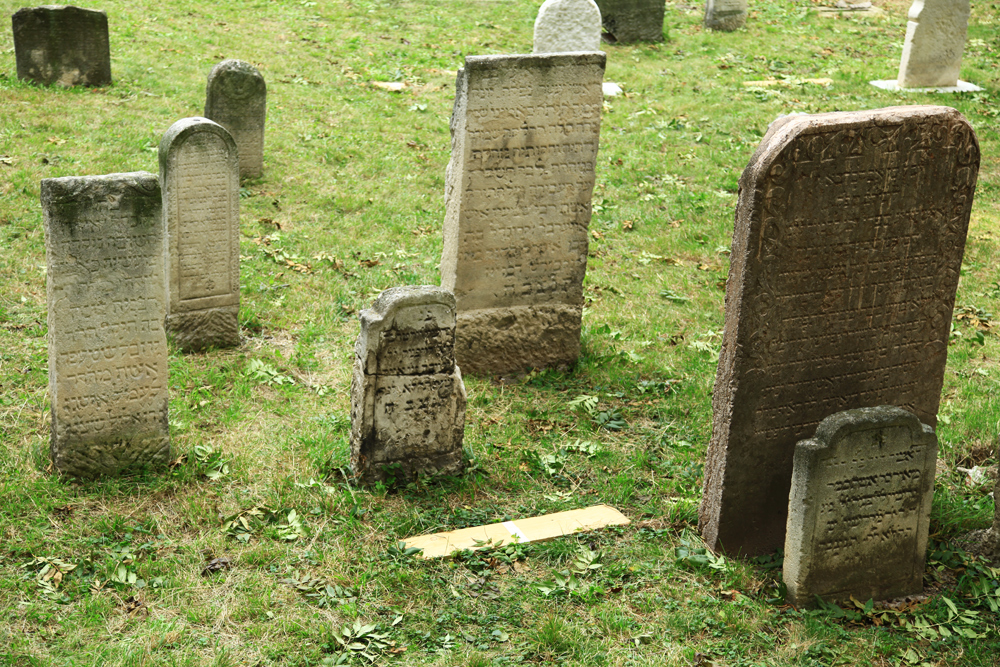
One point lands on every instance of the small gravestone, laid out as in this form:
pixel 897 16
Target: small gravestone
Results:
pixel 236 99
pixel 105 249
pixel 627 21
pixel 567 25
pixel 199 176
pixel 850 229
pixel 859 507
pixel 63 45
pixel 935 39
pixel 725 15
pixel 517 200
pixel 407 395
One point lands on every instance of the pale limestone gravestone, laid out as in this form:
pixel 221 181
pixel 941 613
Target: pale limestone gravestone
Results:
pixel 627 21
pixel 236 99
pixel 860 507
pixel 517 207
pixel 105 250
pixel 199 176
pixel 725 15
pixel 61 44
pixel 407 395
pixel 567 25
pixel 850 229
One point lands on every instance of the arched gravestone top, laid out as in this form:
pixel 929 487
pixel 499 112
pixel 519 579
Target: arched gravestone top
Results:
pixel 62 44
pixel 236 98
pixel 849 235
pixel 567 26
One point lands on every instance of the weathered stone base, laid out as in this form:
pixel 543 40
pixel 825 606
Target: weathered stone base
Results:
pixel 201 329
pixel 510 340
pixel 985 543
pixel 88 459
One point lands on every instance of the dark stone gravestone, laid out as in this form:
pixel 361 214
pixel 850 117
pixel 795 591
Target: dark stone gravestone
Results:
pixel 62 44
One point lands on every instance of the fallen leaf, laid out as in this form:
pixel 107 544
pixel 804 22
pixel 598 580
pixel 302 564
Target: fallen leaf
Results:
pixel 627 225
pixel 216 565
pixel 369 263
pixel 596 234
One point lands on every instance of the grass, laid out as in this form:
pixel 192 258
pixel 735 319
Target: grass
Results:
pixel 350 204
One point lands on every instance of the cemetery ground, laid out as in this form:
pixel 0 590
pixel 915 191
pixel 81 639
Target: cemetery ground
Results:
pixel 255 548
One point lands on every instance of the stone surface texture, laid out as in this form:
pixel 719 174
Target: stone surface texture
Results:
pixel 199 176
pixel 564 26
pixel 935 39
pixel 105 250
pixel 725 15
pixel 860 507
pixel 627 21
pixel 236 99
pixel 517 198
pixel 61 44
pixel 407 395
pixel 849 235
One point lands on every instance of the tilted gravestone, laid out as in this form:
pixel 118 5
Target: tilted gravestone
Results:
pixel 236 99
pixel 517 199
pixel 567 25
pixel 935 39
pixel 627 21
pixel 62 44
pixel 725 15
pixel 850 229
pixel 199 176
pixel 859 508
pixel 105 251
pixel 407 395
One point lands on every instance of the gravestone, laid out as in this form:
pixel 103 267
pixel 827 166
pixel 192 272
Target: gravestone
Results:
pixel 567 25
pixel 850 229
pixel 407 395
pixel 199 176
pixel 935 39
pixel 627 21
pixel 105 251
pixel 236 99
pixel 725 15
pixel 860 506
pixel 62 44
pixel 517 207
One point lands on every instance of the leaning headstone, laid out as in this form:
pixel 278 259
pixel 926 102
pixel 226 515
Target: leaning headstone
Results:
pixel 850 229
pixel 725 15
pixel 236 99
pixel 627 21
pixel 63 45
pixel 517 199
pixel 407 395
pixel 935 39
pixel 105 248
pixel 567 25
pixel 859 508
pixel 199 176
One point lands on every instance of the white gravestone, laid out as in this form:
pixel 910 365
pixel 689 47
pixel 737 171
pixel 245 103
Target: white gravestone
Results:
pixel 567 25
pixel 236 99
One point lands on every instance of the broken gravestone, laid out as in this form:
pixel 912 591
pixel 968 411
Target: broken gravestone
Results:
pixel 199 176
pixel 725 15
pixel 236 99
pixel 627 21
pixel 407 395
pixel 567 25
pixel 62 44
pixel 517 200
pixel 850 229
pixel 859 508
pixel 935 39
pixel 105 251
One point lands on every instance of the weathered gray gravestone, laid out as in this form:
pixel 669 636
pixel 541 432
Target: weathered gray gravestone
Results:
pixel 407 395
pixel 517 198
pixel 105 251
pixel 850 229
pixel 199 176
pixel 935 39
pixel 725 15
pixel 62 44
pixel 627 21
pixel 567 25
pixel 236 99
pixel 860 506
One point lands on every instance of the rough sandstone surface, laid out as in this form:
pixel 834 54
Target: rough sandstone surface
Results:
pixel 236 99
pixel 627 21
pixel 849 235
pixel 64 45
pixel 105 251
pixel 563 26
pixel 935 40
pixel 725 15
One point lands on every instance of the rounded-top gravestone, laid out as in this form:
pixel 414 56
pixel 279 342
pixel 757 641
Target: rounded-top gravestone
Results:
pixel 567 25
pixel 236 99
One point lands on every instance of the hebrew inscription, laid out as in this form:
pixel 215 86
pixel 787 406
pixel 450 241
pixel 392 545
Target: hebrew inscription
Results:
pixel 236 99
pixel 849 236
pixel 105 247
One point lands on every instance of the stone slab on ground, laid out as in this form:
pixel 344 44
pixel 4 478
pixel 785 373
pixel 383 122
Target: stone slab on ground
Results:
pixel 564 26
pixel 236 99
pixel 62 44
pixel 959 87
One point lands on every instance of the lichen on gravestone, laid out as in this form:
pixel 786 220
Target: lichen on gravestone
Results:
pixel 564 26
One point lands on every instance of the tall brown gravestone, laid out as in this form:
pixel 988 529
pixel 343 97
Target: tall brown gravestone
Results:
pixel 849 236
pixel 62 44
pixel 105 252
pixel 199 175
pixel 517 197
pixel 236 99
pixel 627 21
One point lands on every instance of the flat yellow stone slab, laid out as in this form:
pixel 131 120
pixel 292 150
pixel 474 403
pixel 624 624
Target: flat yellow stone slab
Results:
pixel 536 529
